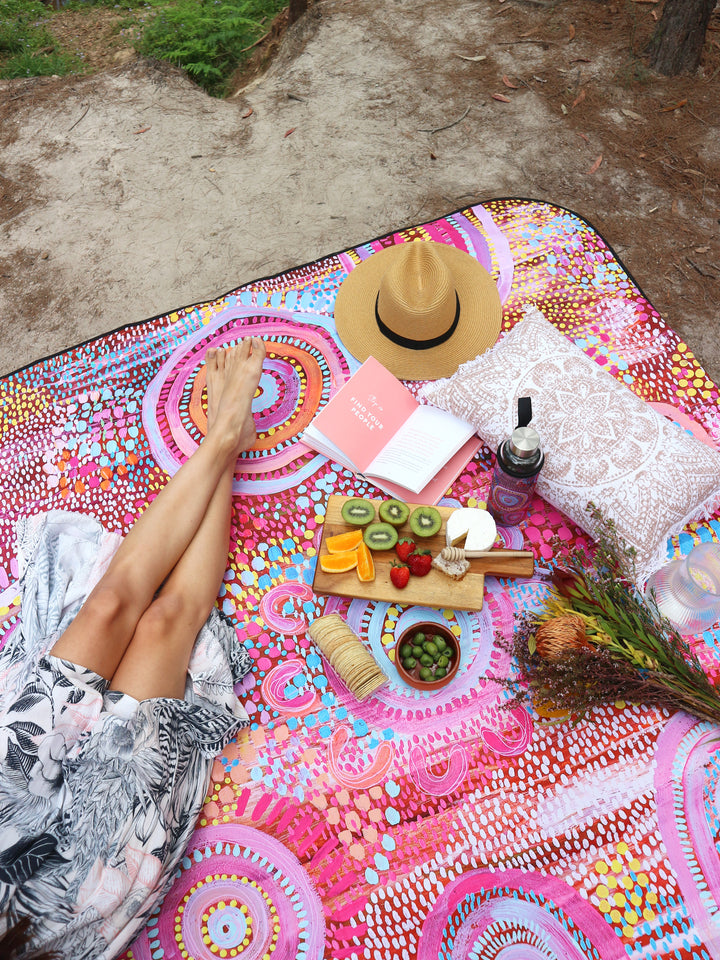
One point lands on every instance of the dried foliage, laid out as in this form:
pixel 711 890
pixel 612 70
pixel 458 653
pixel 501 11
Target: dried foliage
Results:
pixel 599 641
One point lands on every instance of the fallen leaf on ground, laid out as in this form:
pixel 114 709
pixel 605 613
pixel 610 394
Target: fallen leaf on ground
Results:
pixel 563 108
pixel 579 98
pixel 586 139
pixel 472 59
pixel 571 32
pixel 674 207
pixel 508 83
pixel 291 130
pixel 595 166
pixel 248 113
pixel 142 130
pixel 674 106
pixel 500 96
pixel 633 115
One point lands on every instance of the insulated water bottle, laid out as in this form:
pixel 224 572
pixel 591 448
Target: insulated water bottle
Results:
pixel 518 462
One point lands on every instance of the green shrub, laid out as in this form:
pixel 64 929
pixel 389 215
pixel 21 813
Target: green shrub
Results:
pixel 27 49
pixel 30 64
pixel 21 24
pixel 207 38
pixel 113 4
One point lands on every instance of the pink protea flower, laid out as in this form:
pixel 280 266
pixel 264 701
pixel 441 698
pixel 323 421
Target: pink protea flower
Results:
pixel 560 636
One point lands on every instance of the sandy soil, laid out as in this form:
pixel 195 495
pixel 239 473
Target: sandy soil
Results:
pixel 129 192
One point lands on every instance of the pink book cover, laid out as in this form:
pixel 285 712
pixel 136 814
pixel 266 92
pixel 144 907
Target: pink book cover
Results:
pixel 365 413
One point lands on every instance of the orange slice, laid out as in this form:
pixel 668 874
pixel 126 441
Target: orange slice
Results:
pixel 343 542
pixel 338 562
pixel 365 564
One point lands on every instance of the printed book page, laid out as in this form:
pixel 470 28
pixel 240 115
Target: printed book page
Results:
pixel 420 448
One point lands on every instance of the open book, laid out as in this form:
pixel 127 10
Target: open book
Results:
pixel 375 427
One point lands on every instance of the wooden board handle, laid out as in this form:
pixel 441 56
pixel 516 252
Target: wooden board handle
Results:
pixel 494 564
pixel 500 552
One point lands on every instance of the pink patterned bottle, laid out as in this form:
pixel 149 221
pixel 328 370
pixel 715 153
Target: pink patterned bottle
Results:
pixel 518 463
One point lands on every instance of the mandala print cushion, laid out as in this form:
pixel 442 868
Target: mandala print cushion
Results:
pixel 603 445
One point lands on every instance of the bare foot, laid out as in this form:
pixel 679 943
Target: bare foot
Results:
pixel 233 374
pixel 213 386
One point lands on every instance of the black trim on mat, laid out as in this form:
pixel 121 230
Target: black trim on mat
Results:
pixel 271 276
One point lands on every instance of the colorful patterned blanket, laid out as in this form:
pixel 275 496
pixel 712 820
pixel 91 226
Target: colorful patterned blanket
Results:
pixel 415 824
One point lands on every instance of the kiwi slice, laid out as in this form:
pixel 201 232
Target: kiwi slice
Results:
pixel 358 512
pixel 425 521
pixel 380 536
pixel 394 511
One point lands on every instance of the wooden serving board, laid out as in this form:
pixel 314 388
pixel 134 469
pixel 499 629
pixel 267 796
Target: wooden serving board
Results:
pixel 434 590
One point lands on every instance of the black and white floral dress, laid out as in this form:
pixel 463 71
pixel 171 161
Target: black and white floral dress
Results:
pixel 99 793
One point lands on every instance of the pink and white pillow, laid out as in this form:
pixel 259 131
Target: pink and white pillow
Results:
pixel 602 443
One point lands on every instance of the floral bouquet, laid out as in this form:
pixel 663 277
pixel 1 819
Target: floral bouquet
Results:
pixel 598 641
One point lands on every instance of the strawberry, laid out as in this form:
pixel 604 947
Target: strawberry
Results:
pixel 420 562
pixel 399 575
pixel 404 547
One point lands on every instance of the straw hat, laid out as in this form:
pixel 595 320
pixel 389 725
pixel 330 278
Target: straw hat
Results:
pixel 421 308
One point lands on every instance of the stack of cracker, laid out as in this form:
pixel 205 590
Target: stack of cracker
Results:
pixel 347 655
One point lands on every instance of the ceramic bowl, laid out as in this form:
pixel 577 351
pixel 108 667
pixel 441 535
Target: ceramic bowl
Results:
pixel 412 677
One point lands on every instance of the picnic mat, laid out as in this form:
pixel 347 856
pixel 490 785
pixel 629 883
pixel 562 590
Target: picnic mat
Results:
pixel 415 824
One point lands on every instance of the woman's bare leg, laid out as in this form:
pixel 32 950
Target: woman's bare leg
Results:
pixel 156 660
pixel 107 621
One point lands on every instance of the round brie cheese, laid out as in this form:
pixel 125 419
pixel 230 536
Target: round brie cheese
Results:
pixel 472 526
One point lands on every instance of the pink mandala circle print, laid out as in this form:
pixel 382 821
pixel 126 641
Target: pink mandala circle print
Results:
pixel 514 914
pixel 238 893
pixel 687 789
pixel 303 369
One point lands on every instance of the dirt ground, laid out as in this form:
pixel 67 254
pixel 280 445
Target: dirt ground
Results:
pixel 129 192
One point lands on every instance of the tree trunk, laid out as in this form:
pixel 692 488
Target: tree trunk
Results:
pixel 676 45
